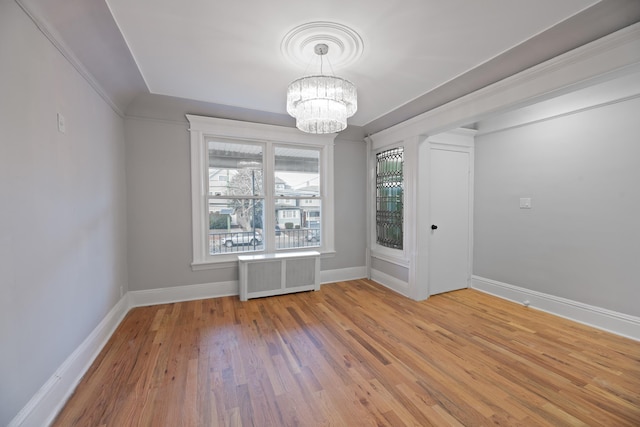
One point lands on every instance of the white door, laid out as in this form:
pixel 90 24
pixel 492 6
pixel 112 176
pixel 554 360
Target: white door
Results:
pixel 449 226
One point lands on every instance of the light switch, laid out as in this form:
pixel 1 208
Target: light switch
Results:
pixel 525 203
pixel 61 125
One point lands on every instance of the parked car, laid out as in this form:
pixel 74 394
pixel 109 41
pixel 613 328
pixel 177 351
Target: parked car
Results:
pixel 278 232
pixel 252 238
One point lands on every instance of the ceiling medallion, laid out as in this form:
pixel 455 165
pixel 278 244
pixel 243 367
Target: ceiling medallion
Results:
pixel 345 44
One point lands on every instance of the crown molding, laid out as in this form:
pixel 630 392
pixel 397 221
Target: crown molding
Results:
pixel 56 40
pixel 583 66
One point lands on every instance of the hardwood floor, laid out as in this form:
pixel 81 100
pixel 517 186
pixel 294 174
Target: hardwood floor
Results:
pixel 357 354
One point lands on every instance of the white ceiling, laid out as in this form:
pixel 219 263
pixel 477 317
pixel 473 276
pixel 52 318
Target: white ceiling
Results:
pixel 228 53
pixel 224 58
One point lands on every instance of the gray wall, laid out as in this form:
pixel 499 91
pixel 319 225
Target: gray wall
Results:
pixel 581 239
pixel 350 164
pixel 159 194
pixel 62 220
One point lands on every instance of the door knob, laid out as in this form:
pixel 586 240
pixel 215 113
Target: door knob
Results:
pixel 434 227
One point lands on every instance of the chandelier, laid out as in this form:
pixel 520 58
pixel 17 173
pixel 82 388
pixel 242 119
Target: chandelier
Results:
pixel 321 103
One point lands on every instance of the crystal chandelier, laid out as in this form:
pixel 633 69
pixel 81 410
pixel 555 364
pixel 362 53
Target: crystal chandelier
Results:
pixel 320 103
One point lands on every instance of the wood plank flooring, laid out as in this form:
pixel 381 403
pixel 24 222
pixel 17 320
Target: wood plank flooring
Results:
pixel 357 354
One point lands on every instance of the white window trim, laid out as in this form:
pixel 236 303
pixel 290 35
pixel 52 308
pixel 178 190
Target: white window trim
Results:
pixel 202 128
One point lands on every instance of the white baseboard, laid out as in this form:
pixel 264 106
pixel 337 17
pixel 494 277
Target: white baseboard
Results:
pixel 43 407
pixel 600 318
pixel 182 293
pixel 390 282
pixel 222 289
pixel 342 274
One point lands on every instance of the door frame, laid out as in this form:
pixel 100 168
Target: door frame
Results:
pixel 460 140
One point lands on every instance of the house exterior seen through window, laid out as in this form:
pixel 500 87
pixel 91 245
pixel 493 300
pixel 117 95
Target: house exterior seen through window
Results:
pixel 389 198
pixel 236 197
pixel 298 202
pixel 236 202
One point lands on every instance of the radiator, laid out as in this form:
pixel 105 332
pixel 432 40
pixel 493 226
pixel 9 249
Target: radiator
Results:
pixel 276 274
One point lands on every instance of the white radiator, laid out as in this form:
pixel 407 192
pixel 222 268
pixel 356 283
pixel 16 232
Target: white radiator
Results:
pixel 281 273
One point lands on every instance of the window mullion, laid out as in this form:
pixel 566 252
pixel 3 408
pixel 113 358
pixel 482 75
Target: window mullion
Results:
pixel 269 198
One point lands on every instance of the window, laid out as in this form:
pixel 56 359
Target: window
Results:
pixel 258 188
pixel 235 207
pixel 389 198
pixel 299 170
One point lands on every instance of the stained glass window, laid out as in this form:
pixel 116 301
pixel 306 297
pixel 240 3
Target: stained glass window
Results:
pixel 389 197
